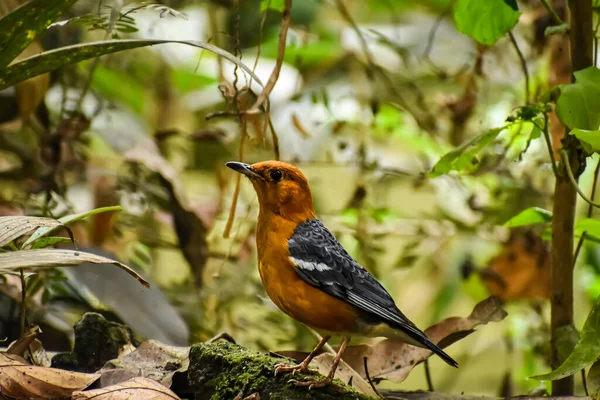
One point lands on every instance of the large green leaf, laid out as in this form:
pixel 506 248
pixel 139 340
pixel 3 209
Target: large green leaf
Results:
pixel 578 106
pixel 485 20
pixel 530 216
pixel 586 350
pixel 464 155
pixel 54 59
pixel 590 140
pixel 21 27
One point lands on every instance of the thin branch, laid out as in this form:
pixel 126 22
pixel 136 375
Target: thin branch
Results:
pixel 584 382
pixel 565 158
pixel 23 298
pixel 523 64
pixel 433 31
pixel 365 366
pixel 578 249
pixel 428 375
pixel 285 25
pixel 553 13
pixel 548 144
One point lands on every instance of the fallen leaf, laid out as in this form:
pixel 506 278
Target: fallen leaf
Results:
pixel 23 381
pixel 151 359
pixel 20 345
pixel 521 271
pixel 134 389
pixel 344 372
pixel 393 360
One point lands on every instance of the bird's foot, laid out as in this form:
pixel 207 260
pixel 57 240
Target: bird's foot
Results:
pixel 312 383
pixel 302 367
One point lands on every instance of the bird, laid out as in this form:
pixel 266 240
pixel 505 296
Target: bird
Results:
pixel 309 275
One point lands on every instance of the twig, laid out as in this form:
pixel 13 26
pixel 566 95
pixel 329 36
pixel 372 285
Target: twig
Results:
pixel 23 298
pixel 553 13
pixel 549 144
pixel 428 376
pixel 370 380
pixel 584 381
pixel 433 31
pixel 578 249
pixel 565 158
pixel 285 25
pixel 523 64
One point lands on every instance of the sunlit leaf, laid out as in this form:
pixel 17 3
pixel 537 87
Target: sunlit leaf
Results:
pixel 530 216
pixel 46 258
pixel 277 5
pixel 588 225
pixel 485 21
pixel 67 220
pixel 54 59
pixel 578 106
pixel 49 241
pixel 590 140
pixel 19 28
pixel 586 350
pixel 464 155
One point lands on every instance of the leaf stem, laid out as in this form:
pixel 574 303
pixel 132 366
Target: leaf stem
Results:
pixel 549 144
pixel 553 13
pixel 23 298
pixel 565 158
pixel 513 40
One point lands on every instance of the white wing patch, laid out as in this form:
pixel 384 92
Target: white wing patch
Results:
pixel 310 266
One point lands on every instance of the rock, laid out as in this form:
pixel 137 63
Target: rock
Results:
pixel 96 342
pixel 223 370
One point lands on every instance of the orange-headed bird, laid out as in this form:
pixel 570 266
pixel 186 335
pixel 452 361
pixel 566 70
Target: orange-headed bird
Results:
pixel 309 275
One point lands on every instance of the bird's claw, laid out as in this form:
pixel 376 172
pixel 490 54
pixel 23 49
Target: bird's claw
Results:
pixel 311 384
pixel 292 368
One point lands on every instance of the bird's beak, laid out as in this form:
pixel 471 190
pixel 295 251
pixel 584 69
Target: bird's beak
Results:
pixel 243 169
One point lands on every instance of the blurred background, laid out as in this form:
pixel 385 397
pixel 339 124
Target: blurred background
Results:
pixel 369 97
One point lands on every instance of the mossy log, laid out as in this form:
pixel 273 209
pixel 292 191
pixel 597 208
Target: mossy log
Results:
pixel 225 371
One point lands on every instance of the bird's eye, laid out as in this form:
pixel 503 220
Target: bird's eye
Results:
pixel 276 175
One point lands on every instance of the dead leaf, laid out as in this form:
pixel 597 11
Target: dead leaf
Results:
pixel 134 389
pixel 19 346
pixel 151 359
pixel 23 381
pixel 344 372
pixel 16 226
pixel 393 360
pixel 521 271
pixel 45 258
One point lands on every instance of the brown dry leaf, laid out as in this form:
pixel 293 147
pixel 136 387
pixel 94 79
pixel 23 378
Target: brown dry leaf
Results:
pixel 521 271
pixel 344 372
pixel 134 389
pixel 23 381
pixel 393 360
pixel 151 359
pixel 19 346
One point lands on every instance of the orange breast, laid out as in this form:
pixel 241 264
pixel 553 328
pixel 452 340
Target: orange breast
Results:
pixel 306 303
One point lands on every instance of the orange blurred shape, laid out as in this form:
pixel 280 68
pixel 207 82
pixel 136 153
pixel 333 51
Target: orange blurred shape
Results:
pixel 521 271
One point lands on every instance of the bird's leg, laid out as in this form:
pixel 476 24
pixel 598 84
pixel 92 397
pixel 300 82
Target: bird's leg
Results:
pixel 303 366
pixel 336 360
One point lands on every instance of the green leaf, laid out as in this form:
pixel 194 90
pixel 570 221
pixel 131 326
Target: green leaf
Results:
pixel 593 381
pixel 578 106
pixel 67 220
pixel 590 140
pixel 530 216
pixel 556 30
pixel 277 5
pixel 19 28
pixel 47 258
pixel 464 155
pixel 485 20
pixel 54 59
pixel 49 241
pixel 586 350
pixel 590 226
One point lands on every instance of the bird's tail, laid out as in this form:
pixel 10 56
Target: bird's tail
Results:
pixel 414 336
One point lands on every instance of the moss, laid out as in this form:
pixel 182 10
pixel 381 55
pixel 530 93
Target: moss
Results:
pixel 222 370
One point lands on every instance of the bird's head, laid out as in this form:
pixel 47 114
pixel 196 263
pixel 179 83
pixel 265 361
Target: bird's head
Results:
pixel 281 188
